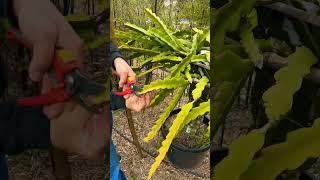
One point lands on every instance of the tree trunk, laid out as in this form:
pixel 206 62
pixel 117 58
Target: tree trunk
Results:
pixel 72 7
pixel 88 7
pixel 114 13
pixel 93 4
pixel 170 9
pixel 192 15
pixel 155 6
pixel 66 7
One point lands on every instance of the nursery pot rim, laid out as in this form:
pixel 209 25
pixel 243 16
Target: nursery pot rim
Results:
pixel 177 146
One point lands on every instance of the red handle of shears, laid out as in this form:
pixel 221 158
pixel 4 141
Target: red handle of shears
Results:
pixel 54 96
pixel 61 69
pixel 128 90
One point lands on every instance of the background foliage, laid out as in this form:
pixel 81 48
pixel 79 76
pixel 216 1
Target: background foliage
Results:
pixel 272 45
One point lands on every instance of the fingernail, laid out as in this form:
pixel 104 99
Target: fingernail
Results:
pixel 35 76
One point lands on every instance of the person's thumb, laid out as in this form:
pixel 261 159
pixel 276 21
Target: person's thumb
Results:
pixel 43 52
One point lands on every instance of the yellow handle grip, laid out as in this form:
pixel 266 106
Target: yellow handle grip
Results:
pixel 131 79
pixel 65 56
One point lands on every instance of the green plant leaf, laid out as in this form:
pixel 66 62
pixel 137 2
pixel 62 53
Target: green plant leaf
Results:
pixel 278 98
pixel 165 114
pixel 196 112
pixel 135 68
pixel 165 84
pixel 203 36
pixel 81 22
pixel 207 53
pixel 170 58
pixel 237 49
pixel 229 73
pixel 157 21
pixel 187 60
pixel 170 136
pixel 135 37
pixel 139 50
pixel 134 55
pixel 197 92
pixel 199 58
pixel 187 73
pixel 98 42
pixel 195 42
pixel 227 19
pixel 159 56
pixel 241 153
pixel 300 145
pixel 148 71
pixel 128 35
pixel 197 30
pixel 138 29
pixel 181 67
pixel 180 44
pixel 87 35
pixel 160 97
pixel 228 66
pixel 165 39
pixel 248 40
pixel 251 47
pixel 186 43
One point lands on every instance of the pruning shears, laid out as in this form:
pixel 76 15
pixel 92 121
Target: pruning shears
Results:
pixel 131 86
pixel 72 84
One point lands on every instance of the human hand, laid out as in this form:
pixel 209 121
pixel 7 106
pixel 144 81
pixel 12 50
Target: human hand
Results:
pixel 137 103
pixel 82 132
pixel 133 102
pixel 44 28
pixel 76 130
pixel 123 70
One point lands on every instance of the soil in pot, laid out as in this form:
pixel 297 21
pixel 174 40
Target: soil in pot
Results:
pixel 193 135
pixel 190 146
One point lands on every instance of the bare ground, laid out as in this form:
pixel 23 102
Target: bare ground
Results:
pixel 36 165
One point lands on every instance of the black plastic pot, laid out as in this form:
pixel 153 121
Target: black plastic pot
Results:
pixel 182 157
